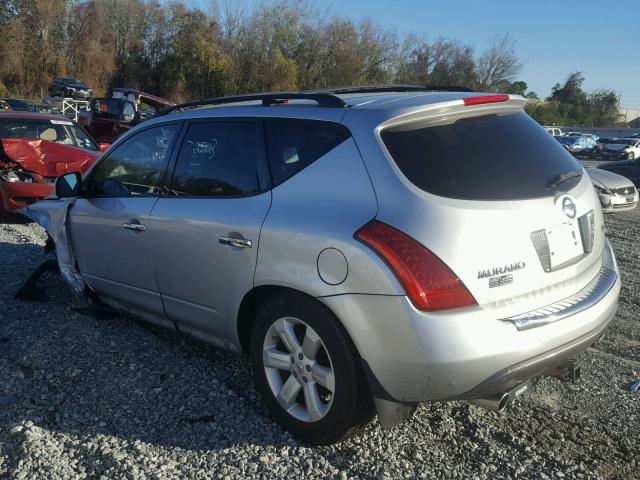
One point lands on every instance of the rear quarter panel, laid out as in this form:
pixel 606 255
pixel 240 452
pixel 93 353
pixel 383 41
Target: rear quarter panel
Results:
pixel 322 207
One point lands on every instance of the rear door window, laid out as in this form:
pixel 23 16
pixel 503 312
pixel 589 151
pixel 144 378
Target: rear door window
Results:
pixel 294 144
pixel 494 157
pixel 221 159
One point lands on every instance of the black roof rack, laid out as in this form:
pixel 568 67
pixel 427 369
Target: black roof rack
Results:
pixel 268 99
pixel 324 98
pixel 394 88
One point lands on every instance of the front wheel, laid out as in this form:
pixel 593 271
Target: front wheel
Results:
pixel 307 371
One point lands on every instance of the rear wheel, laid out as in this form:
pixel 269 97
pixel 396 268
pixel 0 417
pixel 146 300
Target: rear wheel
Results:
pixel 307 371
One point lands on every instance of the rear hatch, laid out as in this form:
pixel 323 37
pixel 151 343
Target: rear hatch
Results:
pixel 500 202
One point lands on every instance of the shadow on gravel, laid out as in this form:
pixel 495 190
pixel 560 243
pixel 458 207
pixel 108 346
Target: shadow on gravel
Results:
pixel 13 218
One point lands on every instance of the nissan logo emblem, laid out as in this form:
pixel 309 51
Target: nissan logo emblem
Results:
pixel 568 207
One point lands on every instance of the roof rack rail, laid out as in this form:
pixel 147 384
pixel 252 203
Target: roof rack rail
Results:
pixel 268 99
pixel 394 88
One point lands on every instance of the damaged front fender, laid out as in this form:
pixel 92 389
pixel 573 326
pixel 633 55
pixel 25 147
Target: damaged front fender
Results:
pixel 53 216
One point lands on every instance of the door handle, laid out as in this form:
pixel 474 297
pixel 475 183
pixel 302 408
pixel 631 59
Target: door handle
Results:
pixel 236 242
pixel 136 227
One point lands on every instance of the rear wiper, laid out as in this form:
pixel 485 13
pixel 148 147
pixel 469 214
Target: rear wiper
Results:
pixel 563 177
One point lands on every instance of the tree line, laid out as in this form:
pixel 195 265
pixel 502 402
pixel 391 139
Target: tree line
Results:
pixel 182 53
pixel 570 105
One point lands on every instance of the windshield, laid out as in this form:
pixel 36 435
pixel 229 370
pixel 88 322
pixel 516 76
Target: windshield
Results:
pixel 58 131
pixel 492 157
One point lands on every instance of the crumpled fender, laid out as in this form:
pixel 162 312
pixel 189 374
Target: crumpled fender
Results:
pixel 48 159
pixel 52 215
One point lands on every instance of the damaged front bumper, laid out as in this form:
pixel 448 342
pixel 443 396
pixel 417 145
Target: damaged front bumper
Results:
pixel 52 215
pixel 17 195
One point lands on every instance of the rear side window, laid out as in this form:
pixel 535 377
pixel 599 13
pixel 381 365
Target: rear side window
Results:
pixel 495 157
pixel 220 159
pixel 295 144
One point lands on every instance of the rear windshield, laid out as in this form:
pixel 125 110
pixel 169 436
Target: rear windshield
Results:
pixel 494 157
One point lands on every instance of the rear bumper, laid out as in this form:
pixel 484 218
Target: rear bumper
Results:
pixel 412 356
pixel 17 195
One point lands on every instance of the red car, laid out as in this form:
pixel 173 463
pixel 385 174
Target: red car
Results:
pixel 35 149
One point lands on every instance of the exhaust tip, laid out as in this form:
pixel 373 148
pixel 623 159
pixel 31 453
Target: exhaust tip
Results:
pixel 496 403
pixel 504 402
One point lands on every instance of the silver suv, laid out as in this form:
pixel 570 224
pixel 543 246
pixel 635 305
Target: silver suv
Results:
pixel 369 249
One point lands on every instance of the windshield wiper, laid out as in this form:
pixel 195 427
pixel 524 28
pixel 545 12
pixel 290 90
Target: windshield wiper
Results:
pixel 563 177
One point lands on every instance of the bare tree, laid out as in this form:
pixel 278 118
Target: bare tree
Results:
pixel 498 64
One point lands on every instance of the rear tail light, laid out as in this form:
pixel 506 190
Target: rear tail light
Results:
pixel 428 282
pixel 485 99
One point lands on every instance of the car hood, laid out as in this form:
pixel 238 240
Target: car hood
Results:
pixel 48 159
pixel 608 179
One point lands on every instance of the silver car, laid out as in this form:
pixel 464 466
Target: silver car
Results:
pixel 616 193
pixel 368 249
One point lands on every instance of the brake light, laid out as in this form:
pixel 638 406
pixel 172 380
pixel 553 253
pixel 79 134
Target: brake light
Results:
pixel 428 282
pixel 485 99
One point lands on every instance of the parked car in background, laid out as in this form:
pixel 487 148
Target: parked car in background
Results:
pixel 616 192
pixel 70 88
pixel 452 266
pixel 627 168
pixel 4 106
pixel 110 117
pixel 580 134
pixel 17 104
pixel 602 141
pixel 34 150
pixel 579 146
pixel 555 131
pixel 622 149
pixel 43 108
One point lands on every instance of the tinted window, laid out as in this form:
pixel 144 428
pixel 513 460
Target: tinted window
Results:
pixel 496 157
pixel 107 107
pixel 136 165
pixel 220 159
pixel 294 144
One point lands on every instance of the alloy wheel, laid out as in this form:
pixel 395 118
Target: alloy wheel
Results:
pixel 298 369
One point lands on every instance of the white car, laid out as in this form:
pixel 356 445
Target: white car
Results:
pixel 555 131
pixel 623 149
pixel 616 192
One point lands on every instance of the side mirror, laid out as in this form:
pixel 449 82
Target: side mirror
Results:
pixel 128 117
pixel 104 146
pixel 68 185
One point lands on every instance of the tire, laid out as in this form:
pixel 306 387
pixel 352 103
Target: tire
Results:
pixel 344 409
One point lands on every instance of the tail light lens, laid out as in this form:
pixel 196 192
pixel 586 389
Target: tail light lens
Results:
pixel 428 282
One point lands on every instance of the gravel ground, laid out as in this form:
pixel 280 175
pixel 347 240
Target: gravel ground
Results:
pixel 87 394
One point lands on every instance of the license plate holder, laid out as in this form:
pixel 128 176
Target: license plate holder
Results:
pixel 565 242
